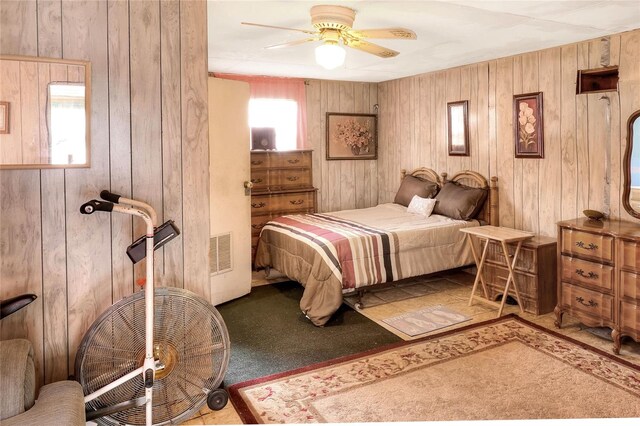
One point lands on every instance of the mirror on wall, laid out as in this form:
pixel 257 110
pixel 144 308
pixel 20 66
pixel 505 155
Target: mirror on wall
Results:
pixel 44 113
pixel 631 194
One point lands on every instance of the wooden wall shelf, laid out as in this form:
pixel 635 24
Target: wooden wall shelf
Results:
pixel 597 80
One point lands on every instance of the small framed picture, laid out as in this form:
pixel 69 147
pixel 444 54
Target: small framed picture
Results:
pixel 527 119
pixel 4 117
pixel 352 136
pixel 458 125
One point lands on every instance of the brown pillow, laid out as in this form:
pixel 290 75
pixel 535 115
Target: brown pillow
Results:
pixel 411 186
pixel 459 201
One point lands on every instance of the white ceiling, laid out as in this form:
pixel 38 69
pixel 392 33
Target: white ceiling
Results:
pixel 450 33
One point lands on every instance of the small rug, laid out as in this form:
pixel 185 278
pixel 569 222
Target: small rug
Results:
pixel 399 290
pixel 505 368
pixel 425 320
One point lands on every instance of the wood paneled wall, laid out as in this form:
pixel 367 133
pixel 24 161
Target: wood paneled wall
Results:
pixel 149 140
pixel 584 135
pixel 342 184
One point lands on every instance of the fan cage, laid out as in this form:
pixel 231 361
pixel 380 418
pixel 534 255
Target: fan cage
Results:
pixel 190 338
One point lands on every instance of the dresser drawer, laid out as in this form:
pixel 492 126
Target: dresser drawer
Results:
pixel 289 178
pixel 630 255
pixel 629 285
pixel 260 180
pixel 629 318
pixel 254 240
pixel 585 244
pixel 592 303
pixel 259 160
pixel 258 222
pixel 282 203
pixel 588 273
pixel 291 159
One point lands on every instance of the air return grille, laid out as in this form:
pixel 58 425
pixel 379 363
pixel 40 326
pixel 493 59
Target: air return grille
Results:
pixel 220 254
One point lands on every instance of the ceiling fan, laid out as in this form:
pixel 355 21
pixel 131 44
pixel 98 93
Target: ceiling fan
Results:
pixel 334 27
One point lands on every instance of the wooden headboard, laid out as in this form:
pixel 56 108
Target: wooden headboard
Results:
pixel 423 173
pixel 489 212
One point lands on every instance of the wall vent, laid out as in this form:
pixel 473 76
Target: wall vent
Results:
pixel 220 254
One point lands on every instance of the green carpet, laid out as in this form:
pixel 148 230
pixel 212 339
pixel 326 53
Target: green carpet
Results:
pixel 269 334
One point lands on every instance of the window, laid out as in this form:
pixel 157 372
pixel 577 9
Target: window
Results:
pixel 281 114
pixel 67 131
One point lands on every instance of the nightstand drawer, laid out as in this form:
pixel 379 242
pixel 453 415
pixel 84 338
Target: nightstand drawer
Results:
pixel 526 262
pixel 587 273
pixel 585 244
pixel 592 303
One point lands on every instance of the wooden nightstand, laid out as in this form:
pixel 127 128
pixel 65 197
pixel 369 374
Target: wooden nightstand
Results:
pixel 503 236
pixel 535 271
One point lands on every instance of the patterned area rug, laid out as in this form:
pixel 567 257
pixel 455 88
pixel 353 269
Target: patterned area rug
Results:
pixel 506 368
pixel 425 320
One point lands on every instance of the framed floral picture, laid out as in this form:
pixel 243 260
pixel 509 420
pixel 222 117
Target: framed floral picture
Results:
pixel 527 119
pixel 352 136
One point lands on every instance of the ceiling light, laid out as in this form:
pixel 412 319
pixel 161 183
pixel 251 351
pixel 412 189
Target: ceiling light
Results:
pixel 330 55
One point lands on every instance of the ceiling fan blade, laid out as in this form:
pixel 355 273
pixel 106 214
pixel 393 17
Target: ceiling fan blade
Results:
pixel 292 43
pixel 280 28
pixel 372 48
pixel 401 33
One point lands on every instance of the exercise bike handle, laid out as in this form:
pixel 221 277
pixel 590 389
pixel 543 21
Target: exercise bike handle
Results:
pixel 94 205
pixel 110 196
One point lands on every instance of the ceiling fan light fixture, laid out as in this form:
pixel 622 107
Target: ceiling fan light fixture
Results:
pixel 330 55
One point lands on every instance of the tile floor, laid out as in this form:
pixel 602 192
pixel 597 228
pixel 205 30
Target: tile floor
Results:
pixel 454 294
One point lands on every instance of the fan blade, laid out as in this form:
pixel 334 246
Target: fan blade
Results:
pixel 372 48
pixel 279 28
pixel 402 33
pixel 292 43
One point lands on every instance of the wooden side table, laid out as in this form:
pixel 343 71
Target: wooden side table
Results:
pixel 503 236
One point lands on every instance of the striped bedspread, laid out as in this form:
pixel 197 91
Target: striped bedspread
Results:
pixel 358 255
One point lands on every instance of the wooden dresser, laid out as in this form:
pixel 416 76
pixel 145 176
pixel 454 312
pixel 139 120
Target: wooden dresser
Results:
pixel 282 184
pixel 599 275
pixel 535 273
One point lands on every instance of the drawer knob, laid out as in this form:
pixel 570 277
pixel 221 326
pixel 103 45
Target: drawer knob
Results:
pixel 294 161
pixel 590 304
pixel 256 162
pixel 296 202
pixel 258 180
pixel 293 178
pixel 258 205
pixel 590 246
pixel 591 275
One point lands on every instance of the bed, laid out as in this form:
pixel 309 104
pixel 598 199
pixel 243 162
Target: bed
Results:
pixel 337 253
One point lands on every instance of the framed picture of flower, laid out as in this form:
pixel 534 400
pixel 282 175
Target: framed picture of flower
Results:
pixel 527 119
pixel 458 124
pixel 352 136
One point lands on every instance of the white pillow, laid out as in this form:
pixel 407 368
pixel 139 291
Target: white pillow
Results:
pixel 421 206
